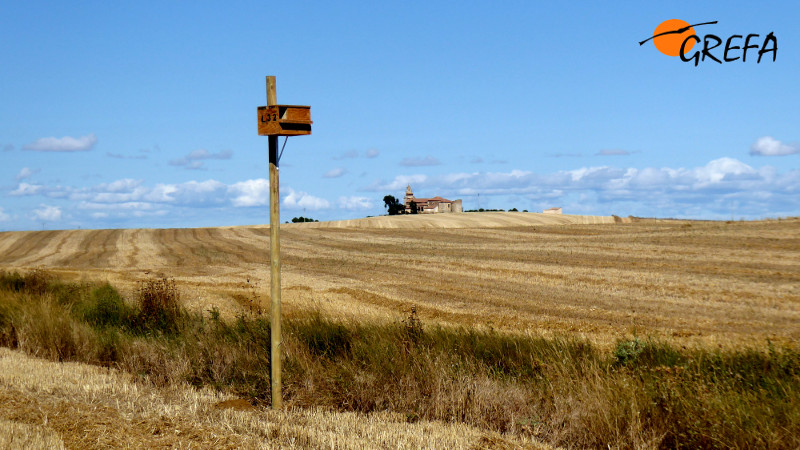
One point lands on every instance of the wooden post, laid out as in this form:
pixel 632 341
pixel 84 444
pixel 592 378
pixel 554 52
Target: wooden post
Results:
pixel 278 120
pixel 274 258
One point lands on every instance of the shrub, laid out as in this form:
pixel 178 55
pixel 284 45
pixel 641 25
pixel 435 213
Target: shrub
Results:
pixel 106 308
pixel 627 351
pixel 34 282
pixel 159 306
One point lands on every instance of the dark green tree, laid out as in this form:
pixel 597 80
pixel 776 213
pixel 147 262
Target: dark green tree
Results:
pixel 393 205
pixel 413 206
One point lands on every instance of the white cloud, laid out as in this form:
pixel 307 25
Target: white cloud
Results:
pixel 296 200
pixel 28 189
pixel 399 182
pixel 418 162
pixel 194 160
pixel 64 144
pixel 250 192
pixel 162 193
pixel 372 153
pixel 335 173
pixel 354 203
pixel 3 216
pixel 47 213
pixel 256 193
pixel 190 193
pixel 121 206
pixel 123 185
pixel 26 172
pixel 719 170
pixel 769 146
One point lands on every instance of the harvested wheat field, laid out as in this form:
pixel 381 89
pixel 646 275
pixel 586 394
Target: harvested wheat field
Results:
pixel 720 283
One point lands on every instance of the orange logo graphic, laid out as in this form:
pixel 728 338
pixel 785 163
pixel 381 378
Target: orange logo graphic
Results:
pixel 670 34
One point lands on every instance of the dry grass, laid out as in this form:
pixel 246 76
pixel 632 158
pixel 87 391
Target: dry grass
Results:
pixel 72 405
pixel 17 435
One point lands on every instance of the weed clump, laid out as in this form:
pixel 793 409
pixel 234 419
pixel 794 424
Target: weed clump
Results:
pixel 323 337
pixel 35 282
pixel 159 306
pixel 628 351
pixel 105 308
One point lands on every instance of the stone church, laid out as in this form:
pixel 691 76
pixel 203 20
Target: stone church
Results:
pixel 431 205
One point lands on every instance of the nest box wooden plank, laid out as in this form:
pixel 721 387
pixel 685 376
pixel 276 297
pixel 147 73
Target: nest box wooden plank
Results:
pixel 284 120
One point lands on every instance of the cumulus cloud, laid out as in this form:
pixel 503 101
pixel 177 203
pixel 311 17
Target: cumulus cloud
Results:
pixel 64 144
pixel 720 170
pixel 3 216
pixel 250 192
pixel 769 146
pixel 26 173
pixel 117 207
pixel 27 189
pixel 194 160
pixel 354 203
pixel 47 213
pixel 399 182
pixel 372 153
pixel 296 200
pixel 335 173
pixel 419 162
pixel 191 193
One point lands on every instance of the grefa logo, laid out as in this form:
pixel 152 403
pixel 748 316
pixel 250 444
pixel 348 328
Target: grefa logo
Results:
pixel 676 37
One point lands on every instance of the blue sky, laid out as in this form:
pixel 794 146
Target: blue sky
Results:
pixel 143 114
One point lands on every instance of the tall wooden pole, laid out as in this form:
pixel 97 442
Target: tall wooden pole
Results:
pixel 274 257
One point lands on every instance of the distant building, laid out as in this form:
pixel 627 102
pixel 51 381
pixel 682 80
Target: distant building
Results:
pixel 554 210
pixel 431 205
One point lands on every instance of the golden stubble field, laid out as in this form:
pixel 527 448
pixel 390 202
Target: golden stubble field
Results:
pixel 51 405
pixel 697 283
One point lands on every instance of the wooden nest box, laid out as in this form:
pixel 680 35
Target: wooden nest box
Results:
pixel 284 120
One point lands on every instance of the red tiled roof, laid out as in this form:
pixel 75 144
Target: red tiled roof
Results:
pixel 434 199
